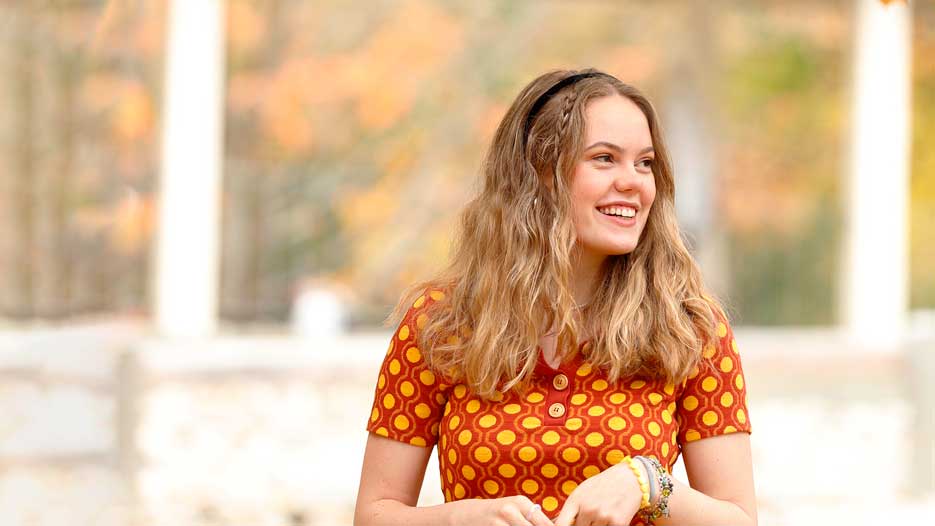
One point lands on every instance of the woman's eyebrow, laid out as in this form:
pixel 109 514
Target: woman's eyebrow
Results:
pixel 616 148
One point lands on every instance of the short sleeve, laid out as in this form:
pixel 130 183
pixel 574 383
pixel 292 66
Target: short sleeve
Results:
pixel 714 398
pixel 410 398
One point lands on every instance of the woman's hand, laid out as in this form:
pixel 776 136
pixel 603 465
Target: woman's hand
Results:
pixel 506 511
pixel 610 498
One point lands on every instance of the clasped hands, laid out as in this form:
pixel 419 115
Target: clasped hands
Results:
pixel 610 498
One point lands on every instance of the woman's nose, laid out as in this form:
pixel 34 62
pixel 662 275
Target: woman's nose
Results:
pixel 627 179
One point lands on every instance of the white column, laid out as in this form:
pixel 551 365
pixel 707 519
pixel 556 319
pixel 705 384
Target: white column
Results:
pixel 876 277
pixel 186 269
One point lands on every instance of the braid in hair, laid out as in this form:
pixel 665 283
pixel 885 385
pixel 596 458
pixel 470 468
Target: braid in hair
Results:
pixel 542 99
pixel 568 103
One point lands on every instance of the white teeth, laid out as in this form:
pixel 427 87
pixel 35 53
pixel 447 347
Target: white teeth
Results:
pixel 618 211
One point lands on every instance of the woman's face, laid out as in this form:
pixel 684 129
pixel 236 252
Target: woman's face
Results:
pixel 613 186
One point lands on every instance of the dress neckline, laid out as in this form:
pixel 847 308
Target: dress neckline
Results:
pixel 568 365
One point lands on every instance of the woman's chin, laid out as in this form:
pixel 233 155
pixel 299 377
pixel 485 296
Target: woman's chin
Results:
pixel 614 250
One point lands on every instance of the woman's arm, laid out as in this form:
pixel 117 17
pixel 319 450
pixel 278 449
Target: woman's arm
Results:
pixel 390 481
pixel 714 434
pixel 720 471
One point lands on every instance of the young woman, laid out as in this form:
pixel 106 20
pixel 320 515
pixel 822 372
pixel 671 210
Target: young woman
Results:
pixel 570 352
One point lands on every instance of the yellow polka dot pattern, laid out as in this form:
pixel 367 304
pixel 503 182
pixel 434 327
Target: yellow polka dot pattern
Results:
pixel 410 398
pixel 513 445
pixel 714 401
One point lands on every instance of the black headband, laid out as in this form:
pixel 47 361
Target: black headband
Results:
pixel 540 102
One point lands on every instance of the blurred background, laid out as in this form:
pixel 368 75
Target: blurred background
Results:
pixel 208 207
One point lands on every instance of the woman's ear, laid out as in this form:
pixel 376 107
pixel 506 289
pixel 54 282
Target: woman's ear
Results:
pixel 548 181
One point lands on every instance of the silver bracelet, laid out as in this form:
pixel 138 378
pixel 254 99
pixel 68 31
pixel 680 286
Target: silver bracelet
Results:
pixel 661 509
pixel 653 481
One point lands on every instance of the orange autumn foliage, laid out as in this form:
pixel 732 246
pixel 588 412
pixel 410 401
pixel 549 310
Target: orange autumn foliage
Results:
pixel 381 79
pixel 132 221
pixel 134 116
pixel 245 27
pixel 285 113
pixel 384 93
pixel 126 101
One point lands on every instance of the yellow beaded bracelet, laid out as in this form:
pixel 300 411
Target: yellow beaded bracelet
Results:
pixel 644 485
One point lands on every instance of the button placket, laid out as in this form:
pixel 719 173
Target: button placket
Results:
pixel 560 382
pixel 557 400
pixel 557 410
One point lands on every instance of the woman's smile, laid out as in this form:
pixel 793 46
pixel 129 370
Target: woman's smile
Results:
pixel 621 220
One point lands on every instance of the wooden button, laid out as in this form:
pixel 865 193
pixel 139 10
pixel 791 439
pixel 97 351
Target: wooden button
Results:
pixel 556 410
pixel 560 382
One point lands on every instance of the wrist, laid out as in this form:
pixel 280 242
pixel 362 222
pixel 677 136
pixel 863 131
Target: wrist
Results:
pixel 664 486
pixel 654 489
pixel 455 510
pixel 641 477
pixel 651 484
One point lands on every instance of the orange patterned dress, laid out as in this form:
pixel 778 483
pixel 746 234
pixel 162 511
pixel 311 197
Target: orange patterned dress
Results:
pixel 572 424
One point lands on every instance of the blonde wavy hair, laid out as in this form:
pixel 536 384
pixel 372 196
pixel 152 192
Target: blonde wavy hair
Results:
pixel 509 279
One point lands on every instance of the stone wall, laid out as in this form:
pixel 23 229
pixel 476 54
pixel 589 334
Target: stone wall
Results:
pixel 104 425
pixel 61 440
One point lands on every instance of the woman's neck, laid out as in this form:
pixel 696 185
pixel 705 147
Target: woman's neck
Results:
pixel 584 283
pixel 587 269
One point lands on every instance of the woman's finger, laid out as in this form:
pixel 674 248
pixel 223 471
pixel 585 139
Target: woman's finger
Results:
pixel 538 518
pixel 514 516
pixel 567 516
pixel 523 512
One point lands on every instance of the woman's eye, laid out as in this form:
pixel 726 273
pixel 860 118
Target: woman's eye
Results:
pixel 647 163
pixel 605 158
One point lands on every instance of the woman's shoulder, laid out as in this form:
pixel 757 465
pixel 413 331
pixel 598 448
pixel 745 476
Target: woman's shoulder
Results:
pixel 421 319
pixel 416 306
pixel 415 300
